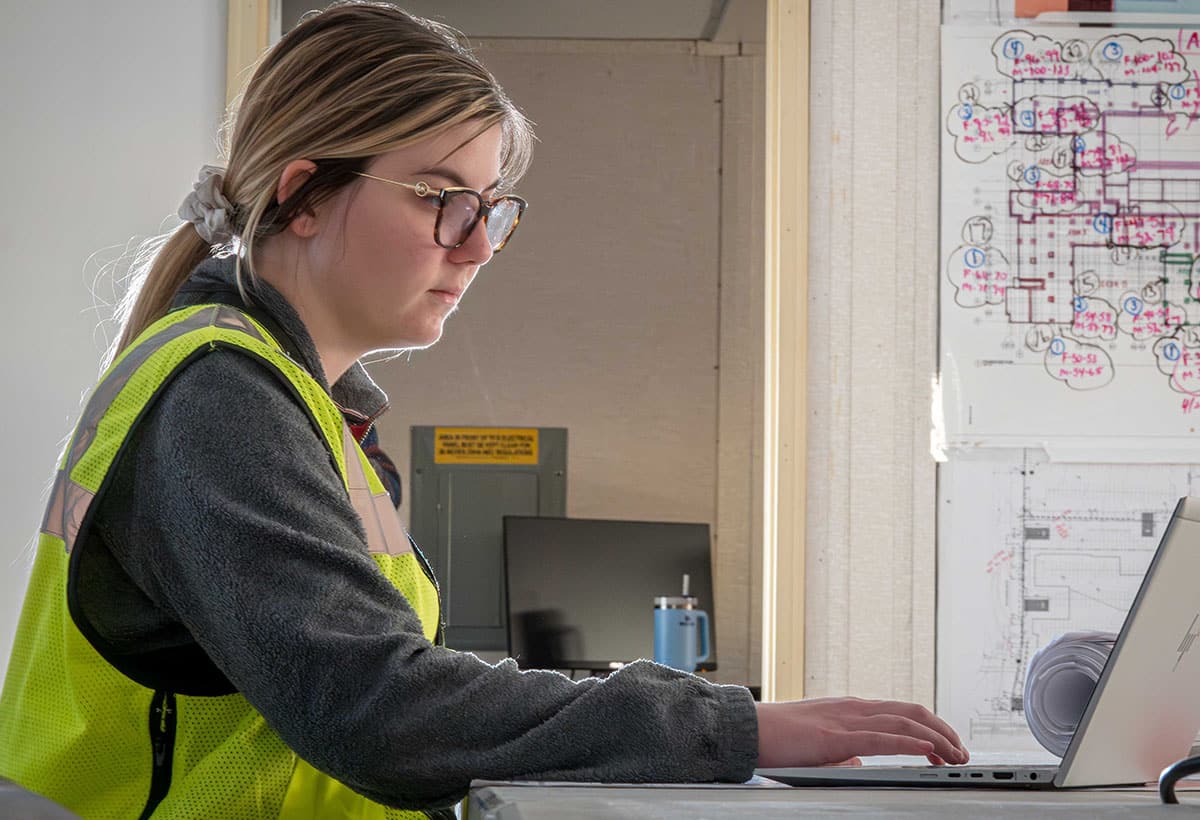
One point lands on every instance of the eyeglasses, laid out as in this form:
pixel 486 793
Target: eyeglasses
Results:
pixel 460 209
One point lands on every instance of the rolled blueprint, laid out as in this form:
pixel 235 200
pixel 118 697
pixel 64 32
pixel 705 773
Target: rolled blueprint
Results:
pixel 1059 682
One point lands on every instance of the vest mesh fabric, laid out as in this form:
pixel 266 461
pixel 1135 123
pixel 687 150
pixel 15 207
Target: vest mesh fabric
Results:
pixel 74 728
pixel 63 707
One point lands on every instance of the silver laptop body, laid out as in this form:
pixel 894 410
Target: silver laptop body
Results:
pixel 1142 716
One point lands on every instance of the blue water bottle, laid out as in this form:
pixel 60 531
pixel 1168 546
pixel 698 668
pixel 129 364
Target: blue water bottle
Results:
pixel 681 638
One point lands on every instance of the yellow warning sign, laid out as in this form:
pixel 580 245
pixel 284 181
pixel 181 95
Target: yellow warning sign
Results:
pixel 485 445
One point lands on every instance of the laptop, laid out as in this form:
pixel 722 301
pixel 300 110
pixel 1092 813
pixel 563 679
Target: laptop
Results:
pixel 1143 714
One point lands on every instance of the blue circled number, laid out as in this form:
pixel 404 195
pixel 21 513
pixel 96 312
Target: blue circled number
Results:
pixel 1028 120
pixel 1057 346
pixel 1080 304
pixel 966 111
pixel 1102 223
pixel 1113 51
pixel 1177 92
pixel 975 258
pixel 1013 48
pixel 1032 175
pixel 1171 352
pixel 1133 306
pixel 1079 144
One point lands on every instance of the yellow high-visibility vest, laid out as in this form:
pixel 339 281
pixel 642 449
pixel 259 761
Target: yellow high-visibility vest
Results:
pixel 75 729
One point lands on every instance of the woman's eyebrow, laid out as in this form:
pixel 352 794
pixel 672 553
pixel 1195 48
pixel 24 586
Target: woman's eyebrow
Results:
pixel 446 173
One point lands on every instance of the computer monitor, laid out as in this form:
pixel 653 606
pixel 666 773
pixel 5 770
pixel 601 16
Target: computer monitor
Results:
pixel 581 591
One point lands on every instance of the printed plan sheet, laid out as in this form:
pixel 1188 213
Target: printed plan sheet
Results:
pixel 1070 296
pixel 1028 550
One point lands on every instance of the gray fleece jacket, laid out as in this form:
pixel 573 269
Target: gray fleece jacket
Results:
pixel 225 556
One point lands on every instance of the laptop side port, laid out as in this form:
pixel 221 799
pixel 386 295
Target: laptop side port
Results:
pixel 1002 775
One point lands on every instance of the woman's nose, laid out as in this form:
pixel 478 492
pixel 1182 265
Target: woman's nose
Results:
pixel 478 248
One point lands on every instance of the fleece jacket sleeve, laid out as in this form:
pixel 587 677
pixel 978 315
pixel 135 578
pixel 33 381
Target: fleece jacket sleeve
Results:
pixel 233 521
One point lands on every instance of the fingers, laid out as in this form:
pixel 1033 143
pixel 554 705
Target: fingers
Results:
pixel 821 731
pixel 883 743
pixel 893 724
pixel 919 715
pixel 912 711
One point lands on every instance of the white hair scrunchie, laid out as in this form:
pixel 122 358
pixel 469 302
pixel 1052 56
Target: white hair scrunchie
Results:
pixel 207 208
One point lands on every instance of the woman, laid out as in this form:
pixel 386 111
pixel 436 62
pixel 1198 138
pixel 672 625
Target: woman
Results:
pixel 224 619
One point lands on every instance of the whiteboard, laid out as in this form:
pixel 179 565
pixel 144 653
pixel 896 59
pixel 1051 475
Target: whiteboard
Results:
pixel 1070 226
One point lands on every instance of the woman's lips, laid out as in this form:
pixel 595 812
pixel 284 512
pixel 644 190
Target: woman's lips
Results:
pixel 450 297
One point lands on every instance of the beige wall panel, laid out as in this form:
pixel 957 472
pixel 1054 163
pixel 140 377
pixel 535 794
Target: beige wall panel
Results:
pixel 917 256
pixel 738 548
pixel 829 334
pixel 601 315
pixel 872 348
pixel 868 240
pixel 605 314
pixel 744 21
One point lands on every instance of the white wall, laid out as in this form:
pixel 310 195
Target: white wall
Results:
pixel 109 111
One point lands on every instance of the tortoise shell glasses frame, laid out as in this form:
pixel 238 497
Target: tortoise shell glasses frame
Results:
pixel 500 215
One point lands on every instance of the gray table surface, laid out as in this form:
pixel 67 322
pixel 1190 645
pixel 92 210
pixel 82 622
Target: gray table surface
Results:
pixel 16 802
pixel 593 802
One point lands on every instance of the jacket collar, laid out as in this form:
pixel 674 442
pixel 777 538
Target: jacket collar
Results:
pixel 214 280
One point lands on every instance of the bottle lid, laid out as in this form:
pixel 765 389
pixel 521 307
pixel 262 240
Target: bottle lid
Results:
pixel 675 602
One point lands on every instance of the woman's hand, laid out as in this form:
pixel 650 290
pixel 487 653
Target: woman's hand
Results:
pixel 824 731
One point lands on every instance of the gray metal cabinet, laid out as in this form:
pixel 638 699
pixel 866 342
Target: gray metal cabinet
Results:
pixel 459 500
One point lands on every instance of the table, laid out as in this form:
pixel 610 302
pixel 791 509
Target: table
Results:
pixel 512 801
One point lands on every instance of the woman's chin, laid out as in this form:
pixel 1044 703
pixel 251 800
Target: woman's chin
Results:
pixel 419 341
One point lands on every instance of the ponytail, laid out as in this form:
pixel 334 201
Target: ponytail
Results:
pixel 161 265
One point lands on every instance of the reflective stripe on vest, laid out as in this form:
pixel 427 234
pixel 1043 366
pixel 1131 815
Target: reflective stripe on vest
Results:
pixel 75 729
pixel 374 507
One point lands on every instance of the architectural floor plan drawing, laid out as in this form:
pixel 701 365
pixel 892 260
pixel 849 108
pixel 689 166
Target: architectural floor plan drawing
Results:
pixel 1030 549
pixel 1070 298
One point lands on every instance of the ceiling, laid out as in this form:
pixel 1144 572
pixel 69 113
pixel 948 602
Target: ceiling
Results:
pixel 718 20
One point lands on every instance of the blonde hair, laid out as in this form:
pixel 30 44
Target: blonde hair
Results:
pixel 351 82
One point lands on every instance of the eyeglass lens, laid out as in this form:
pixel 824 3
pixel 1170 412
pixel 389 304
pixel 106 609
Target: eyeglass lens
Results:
pixel 459 211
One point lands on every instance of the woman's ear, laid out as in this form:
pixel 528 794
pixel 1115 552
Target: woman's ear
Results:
pixel 295 174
